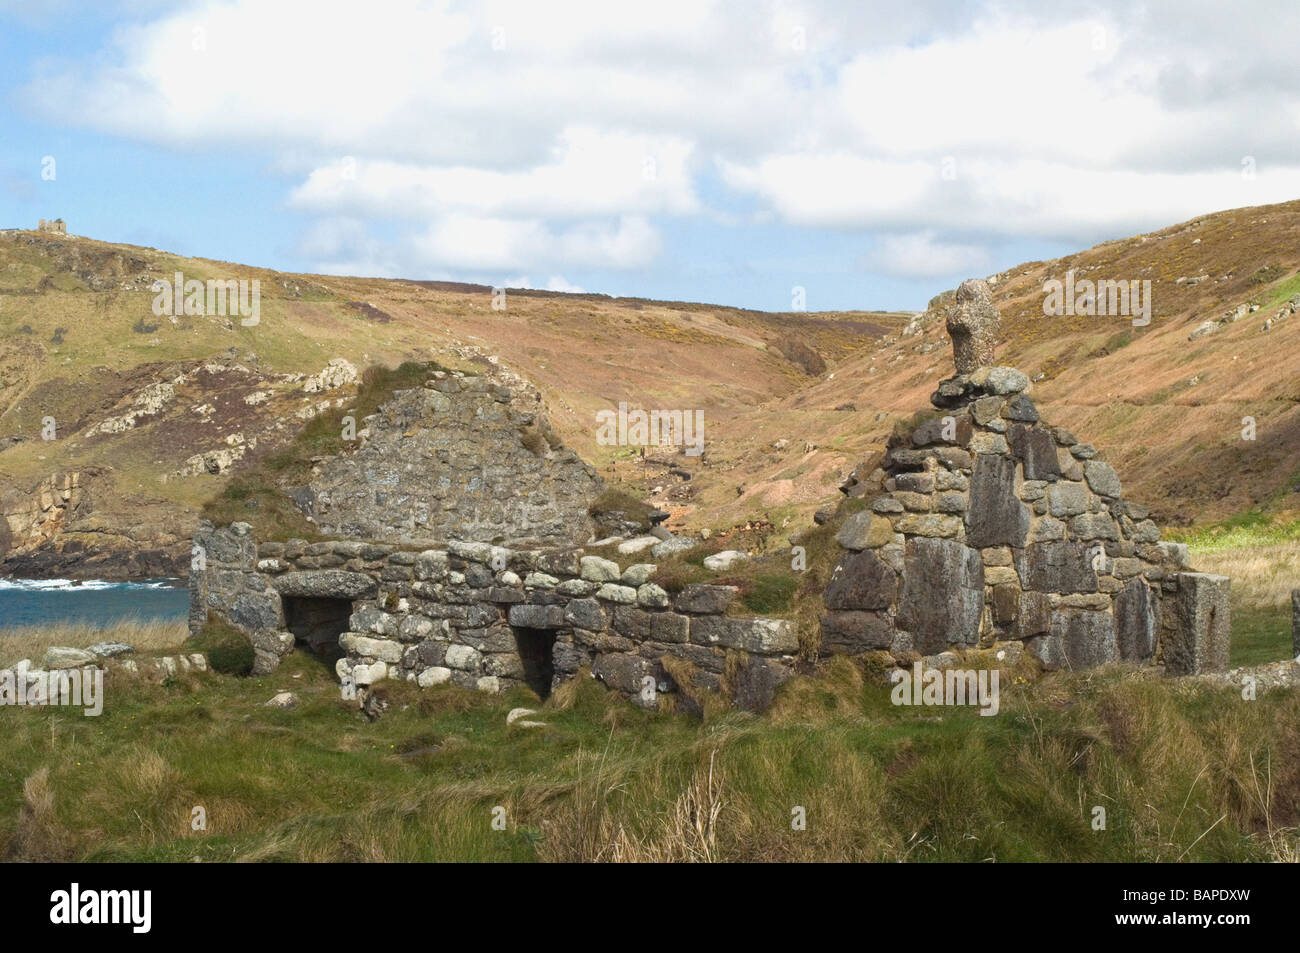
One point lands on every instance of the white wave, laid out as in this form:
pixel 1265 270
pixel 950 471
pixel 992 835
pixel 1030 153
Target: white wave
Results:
pixel 69 585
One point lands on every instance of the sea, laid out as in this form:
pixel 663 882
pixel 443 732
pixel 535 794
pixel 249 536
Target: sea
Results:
pixel 44 602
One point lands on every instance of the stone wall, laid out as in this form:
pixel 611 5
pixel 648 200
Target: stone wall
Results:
pixel 1295 624
pixel 985 524
pixel 488 617
pixel 464 457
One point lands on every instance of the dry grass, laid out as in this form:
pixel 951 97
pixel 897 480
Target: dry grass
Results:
pixel 146 636
pixel 596 826
pixel 1262 575
pixel 39 836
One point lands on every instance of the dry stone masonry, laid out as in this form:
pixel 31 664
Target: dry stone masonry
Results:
pixel 486 617
pixel 456 556
pixel 451 460
pixel 985 524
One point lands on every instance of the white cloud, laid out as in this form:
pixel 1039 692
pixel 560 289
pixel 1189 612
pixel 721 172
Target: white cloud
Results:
pixel 922 256
pixel 513 135
pixel 559 283
pixel 475 243
pixel 1019 197
pixel 590 173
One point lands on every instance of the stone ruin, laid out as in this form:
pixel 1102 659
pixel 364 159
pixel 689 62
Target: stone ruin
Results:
pixel 984 524
pixel 455 539
pixel 454 553
pixel 56 227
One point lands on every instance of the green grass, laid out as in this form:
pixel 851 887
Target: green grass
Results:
pixel 229 650
pixel 1258 553
pixel 1183 773
pixel 1284 291
pixel 1260 635
pixel 1252 528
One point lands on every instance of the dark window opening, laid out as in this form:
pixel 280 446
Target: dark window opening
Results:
pixel 317 623
pixel 535 647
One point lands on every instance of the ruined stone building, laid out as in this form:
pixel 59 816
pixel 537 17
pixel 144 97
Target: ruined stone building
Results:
pixel 985 524
pixel 56 227
pixel 453 540
pixel 454 554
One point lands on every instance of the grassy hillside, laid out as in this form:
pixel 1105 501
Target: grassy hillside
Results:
pixel 790 401
pixel 79 344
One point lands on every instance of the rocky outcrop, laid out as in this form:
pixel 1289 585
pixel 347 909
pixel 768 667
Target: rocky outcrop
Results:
pixel 55 531
pixel 193 420
pixel 34 518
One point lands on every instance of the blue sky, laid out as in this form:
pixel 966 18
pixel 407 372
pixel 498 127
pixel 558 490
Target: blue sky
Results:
pixel 873 154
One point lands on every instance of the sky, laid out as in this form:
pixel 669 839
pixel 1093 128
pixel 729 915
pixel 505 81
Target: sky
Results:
pixel 849 155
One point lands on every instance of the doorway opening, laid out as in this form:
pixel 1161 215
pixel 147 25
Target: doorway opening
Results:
pixel 317 623
pixel 535 647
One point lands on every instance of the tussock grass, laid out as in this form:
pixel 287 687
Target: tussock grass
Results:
pixel 147 636
pixel 1185 772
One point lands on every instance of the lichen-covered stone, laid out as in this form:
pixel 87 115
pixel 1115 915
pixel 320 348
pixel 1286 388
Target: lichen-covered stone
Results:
pixel 1137 621
pixel 597 569
pixel 611 592
pixel 1068 499
pixel 642 626
pixel 752 683
pixel 1102 478
pixel 936 525
pixel 972 321
pixel 652 596
pixel 764 636
pixel 531 616
pixel 996 517
pixel 865 530
pixel 1076 639
pixel 1057 566
pixel 326 583
pixel 1036 450
pixel 1020 408
pixel 585 614
pixel 704 599
pixel 861 580
pixel 942 595
pixel 852 633
pixel 1198 639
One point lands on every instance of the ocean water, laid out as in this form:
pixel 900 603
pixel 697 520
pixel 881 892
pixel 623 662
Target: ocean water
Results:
pixel 26 602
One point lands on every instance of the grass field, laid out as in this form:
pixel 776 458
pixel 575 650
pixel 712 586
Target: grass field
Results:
pixel 1184 773
pixel 1262 557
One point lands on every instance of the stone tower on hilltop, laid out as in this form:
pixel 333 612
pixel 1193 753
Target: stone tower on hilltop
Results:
pixel 984 524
